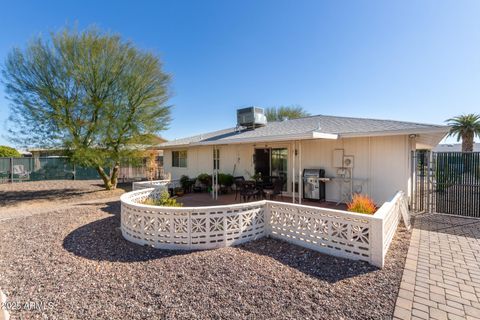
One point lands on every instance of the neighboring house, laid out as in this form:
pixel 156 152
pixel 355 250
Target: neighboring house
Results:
pixel 45 152
pixel 377 153
pixel 454 147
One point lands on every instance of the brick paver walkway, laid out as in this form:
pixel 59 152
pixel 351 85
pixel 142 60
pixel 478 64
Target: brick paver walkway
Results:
pixel 441 279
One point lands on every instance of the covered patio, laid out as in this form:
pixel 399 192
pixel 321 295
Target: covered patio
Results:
pixel 205 199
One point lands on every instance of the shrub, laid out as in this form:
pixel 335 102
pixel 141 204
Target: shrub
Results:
pixel 362 204
pixel 185 182
pixel 8 152
pixel 225 179
pixel 205 178
pixel 164 200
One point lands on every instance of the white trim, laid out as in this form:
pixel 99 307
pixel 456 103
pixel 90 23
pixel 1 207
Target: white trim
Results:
pixel 285 137
pixel 322 135
pixel 300 178
pixel 294 151
pixel 443 130
pixel 275 138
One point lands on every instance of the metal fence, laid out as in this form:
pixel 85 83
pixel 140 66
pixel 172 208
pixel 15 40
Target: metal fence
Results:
pixel 446 182
pixel 37 169
pixel 61 168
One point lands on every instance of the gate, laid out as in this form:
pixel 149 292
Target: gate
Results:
pixel 446 182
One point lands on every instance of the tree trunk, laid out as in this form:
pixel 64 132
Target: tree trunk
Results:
pixel 467 142
pixel 114 179
pixel 106 179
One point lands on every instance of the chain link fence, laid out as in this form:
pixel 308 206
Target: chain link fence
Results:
pixel 60 168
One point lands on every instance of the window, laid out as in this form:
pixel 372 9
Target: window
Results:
pixel 216 159
pixel 179 159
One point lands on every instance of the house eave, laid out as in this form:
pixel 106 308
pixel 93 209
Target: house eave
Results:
pixel 276 138
pixel 440 130
pixel 312 135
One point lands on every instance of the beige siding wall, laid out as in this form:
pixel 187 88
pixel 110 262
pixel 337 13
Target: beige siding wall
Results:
pixel 383 162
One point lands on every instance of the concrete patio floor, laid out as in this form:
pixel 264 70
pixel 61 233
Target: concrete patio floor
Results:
pixel 205 199
pixel 441 279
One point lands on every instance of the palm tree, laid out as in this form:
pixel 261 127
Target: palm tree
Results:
pixel 465 127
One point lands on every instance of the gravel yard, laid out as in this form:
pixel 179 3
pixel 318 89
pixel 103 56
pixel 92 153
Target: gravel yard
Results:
pixel 76 262
pixel 37 193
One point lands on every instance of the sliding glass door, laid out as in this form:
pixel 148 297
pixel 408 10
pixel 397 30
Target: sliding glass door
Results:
pixel 272 162
pixel 279 164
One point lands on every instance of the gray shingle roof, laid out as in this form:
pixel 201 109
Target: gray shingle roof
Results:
pixel 341 126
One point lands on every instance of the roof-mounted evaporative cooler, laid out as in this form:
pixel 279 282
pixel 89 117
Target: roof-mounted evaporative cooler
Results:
pixel 251 117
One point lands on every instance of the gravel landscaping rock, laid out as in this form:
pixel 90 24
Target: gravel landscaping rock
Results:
pixel 37 193
pixel 75 264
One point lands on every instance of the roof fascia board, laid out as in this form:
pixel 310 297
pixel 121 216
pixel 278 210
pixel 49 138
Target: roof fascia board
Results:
pixel 443 130
pixel 322 135
pixel 277 138
pixel 256 139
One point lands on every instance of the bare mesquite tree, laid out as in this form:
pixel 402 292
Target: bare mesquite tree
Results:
pixel 90 92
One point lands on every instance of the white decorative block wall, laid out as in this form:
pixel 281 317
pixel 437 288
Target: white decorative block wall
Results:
pixel 335 232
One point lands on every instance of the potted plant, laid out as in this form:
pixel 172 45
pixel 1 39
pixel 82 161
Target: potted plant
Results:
pixel 205 179
pixel 179 191
pixel 186 183
pixel 257 176
pixel 225 181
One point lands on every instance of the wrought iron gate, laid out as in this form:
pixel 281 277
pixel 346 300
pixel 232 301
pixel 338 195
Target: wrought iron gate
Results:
pixel 446 182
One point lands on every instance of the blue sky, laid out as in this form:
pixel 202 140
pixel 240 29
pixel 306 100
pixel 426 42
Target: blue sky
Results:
pixel 404 60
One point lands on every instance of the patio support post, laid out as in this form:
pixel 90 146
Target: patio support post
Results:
pixel 213 173
pixel 214 176
pixel 293 172
pixel 300 180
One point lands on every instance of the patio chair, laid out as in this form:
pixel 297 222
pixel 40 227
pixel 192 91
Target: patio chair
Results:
pixel 277 189
pixel 238 181
pixel 197 186
pixel 249 190
pixel 267 182
pixel 20 172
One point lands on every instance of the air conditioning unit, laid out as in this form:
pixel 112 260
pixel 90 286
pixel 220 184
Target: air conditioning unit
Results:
pixel 251 117
pixel 348 161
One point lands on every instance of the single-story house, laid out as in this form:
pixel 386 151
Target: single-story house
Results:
pixel 368 156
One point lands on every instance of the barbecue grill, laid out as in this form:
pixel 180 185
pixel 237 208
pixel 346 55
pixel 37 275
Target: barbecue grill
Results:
pixel 314 184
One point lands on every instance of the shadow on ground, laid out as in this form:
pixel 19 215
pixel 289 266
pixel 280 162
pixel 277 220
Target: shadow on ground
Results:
pixel 102 240
pixel 315 264
pixel 14 197
pixel 449 224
